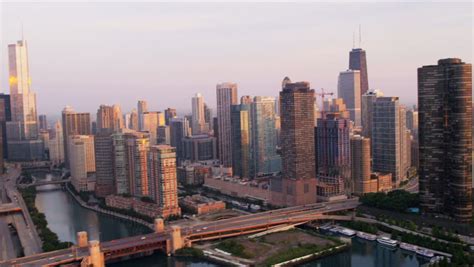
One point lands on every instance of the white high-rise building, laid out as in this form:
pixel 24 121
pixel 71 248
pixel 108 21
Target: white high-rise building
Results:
pixel 22 131
pixel 226 97
pixel 82 160
pixel 198 124
pixel 56 145
pixel 348 88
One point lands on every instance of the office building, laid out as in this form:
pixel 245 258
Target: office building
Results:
pixel 133 123
pixel 445 138
pixel 360 165
pixel 5 115
pixel 368 100
pixel 226 97
pixel 242 162
pixel 56 145
pixel 208 117
pixel 163 179
pixel 178 132
pixel 348 88
pixel 264 136
pixel 333 156
pixel 163 135
pixel 22 131
pixel 198 122
pixel 109 118
pixel 82 161
pixel 142 107
pixel 170 113
pixel 298 183
pixel 199 148
pixel 358 61
pixel 74 123
pixel 43 122
pixel 386 138
pixel 104 164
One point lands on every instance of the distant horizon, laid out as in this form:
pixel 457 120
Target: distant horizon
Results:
pixel 124 52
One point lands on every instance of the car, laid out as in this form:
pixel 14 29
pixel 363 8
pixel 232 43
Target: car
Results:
pixel 198 230
pixel 204 228
pixel 143 238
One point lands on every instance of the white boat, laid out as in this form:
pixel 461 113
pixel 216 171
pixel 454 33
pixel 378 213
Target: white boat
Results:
pixel 387 241
pixel 347 232
pixel 425 252
pixel 408 247
pixel 366 236
pixel 335 229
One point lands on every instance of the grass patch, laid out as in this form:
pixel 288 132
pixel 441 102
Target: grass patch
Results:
pixel 295 252
pixel 235 249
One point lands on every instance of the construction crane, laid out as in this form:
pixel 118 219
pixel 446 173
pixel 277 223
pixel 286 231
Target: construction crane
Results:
pixel 322 95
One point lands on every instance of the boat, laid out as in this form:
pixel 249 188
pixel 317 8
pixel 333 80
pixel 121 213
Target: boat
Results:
pixel 425 252
pixel 347 232
pixel 325 227
pixel 387 241
pixel 335 229
pixel 366 236
pixel 408 247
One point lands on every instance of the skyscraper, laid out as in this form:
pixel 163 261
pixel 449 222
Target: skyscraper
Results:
pixel 348 88
pixel 104 164
pixel 163 179
pixel 56 145
pixel 136 163
pixel 263 134
pixel 22 130
pixel 242 163
pixel 360 165
pixel 5 115
pixel 333 158
pixel 178 132
pixel 445 138
pixel 358 61
pixel 150 123
pixel 133 125
pixel 82 160
pixel 170 113
pixel 198 123
pixel 368 100
pixel 142 107
pixel 109 118
pixel 298 184
pixel 386 139
pixel 43 122
pixel 226 97
pixel 74 123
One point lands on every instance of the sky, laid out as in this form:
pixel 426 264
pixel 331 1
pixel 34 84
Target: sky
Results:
pixel 87 54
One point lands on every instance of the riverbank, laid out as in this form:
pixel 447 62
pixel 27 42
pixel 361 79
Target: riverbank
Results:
pixel 50 240
pixel 108 212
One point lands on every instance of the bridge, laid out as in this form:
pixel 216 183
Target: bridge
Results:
pixel 170 239
pixel 9 208
pixel 40 183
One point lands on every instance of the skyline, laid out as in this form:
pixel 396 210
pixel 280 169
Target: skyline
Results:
pixel 192 54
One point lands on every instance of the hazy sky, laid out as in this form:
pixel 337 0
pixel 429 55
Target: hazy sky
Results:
pixel 87 54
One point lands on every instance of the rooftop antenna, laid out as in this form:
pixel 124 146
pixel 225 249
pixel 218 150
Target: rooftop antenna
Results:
pixel 353 40
pixel 360 37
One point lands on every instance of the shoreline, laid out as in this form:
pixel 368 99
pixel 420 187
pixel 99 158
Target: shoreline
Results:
pixel 107 212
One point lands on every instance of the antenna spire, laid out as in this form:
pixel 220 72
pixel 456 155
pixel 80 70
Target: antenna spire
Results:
pixel 360 36
pixel 22 35
pixel 353 40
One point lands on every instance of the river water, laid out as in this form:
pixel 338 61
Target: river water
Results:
pixel 65 217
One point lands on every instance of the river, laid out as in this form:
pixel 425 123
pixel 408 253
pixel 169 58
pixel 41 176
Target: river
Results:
pixel 65 217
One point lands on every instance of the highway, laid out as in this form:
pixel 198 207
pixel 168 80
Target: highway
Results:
pixel 274 217
pixel 27 233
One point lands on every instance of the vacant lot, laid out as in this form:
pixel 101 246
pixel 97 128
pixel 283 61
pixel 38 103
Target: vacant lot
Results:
pixel 262 250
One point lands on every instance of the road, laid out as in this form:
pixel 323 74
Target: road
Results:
pixel 412 185
pixel 22 221
pixel 280 216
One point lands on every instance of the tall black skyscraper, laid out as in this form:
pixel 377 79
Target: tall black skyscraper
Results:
pixel 358 61
pixel 5 115
pixel 445 138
